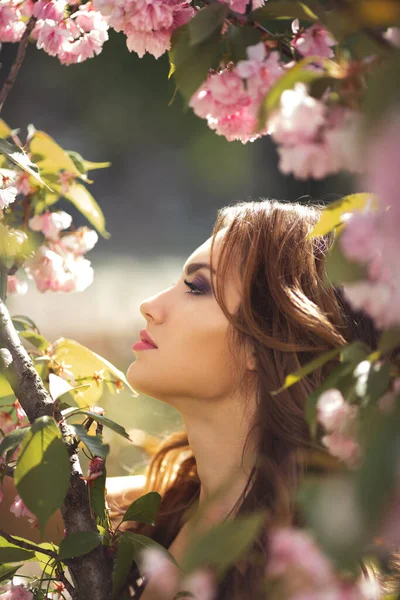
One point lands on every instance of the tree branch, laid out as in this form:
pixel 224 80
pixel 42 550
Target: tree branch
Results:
pixel 91 573
pixel 27 545
pixel 19 59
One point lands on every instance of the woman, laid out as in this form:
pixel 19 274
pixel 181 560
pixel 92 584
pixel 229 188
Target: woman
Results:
pixel 250 307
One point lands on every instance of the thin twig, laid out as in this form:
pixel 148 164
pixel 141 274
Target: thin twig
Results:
pixel 68 586
pixel 19 59
pixel 27 545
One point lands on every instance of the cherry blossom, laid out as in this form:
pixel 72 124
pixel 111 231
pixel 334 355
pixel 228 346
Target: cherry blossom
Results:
pixel 148 24
pixel 241 5
pixel 339 419
pixel 334 412
pixel 7 423
pixel 16 592
pixel 7 196
pixel 155 565
pixel 80 241
pixel 315 140
pixel 11 25
pixel 16 286
pixel 313 41
pixel 59 273
pixel 201 583
pixel 96 468
pixel 51 223
pixel 49 9
pixel 19 509
pixel 230 100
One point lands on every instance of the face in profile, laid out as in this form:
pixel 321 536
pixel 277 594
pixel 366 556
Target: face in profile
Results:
pixel 192 359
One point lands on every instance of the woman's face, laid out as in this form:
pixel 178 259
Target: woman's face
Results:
pixel 192 358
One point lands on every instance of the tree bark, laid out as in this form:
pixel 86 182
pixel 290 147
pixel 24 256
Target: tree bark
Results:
pixel 91 573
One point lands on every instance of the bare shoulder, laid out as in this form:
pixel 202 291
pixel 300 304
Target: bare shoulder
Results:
pixel 122 491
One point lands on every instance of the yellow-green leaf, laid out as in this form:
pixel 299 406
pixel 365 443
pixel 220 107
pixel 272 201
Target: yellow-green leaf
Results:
pixel 87 205
pixel 50 157
pixel 5 130
pixel 84 363
pixel 332 214
pixel 90 166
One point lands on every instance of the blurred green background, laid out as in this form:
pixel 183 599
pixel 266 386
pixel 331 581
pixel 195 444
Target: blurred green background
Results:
pixel 169 176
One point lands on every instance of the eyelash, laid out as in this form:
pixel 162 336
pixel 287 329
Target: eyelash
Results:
pixel 193 288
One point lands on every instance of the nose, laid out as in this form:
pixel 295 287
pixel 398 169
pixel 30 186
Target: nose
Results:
pixel 152 309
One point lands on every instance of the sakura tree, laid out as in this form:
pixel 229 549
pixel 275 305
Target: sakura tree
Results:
pixel 319 76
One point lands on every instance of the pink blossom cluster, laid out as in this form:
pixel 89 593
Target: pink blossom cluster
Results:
pixel 240 6
pixel 304 571
pixel 370 237
pixel 13 16
pixel 339 420
pixel 230 99
pixel 314 140
pixel 147 24
pixel 72 39
pixel 167 580
pixel 313 41
pixel 8 193
pixel 58 264
pixel 15 592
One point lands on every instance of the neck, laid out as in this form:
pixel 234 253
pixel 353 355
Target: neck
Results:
pixel 217 435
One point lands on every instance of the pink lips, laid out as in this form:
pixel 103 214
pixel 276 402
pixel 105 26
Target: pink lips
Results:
pixel 146 343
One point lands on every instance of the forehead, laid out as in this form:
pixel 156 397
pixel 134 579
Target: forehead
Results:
pixel 203 252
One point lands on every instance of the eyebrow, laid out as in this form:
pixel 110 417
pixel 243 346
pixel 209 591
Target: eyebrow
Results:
pixel 192 267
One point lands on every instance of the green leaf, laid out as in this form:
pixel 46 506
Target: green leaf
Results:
pixel 13 439
pixel 206 22
pixel 92 442
pixel 372 381
pixel 82 199
pixel 23 323
pixel 42 473
pixel 5 390
pixel 318 362
pixel 130 547
pixel 383 94
pixel 79 543
pixel 224 544
pixel 20 158
pixel 144 509
pixel 12 553
pixel 283 9
pixel 84 363
pixel 7 572
pixel 341 270
pixel 14 245
pixel 191 64
pixel 389 340
pixel 100 419
pixel 331 215
pixel 97 496
pixel 35 339
pixel 5 130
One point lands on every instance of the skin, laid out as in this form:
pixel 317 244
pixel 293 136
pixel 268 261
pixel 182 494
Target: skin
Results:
pixel 194 371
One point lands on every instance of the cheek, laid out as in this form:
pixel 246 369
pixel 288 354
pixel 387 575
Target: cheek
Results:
pixel 193 361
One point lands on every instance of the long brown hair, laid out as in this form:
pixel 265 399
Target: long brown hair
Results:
pixel 288 315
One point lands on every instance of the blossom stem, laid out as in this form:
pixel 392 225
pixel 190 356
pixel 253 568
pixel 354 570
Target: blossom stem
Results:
pixel 19 59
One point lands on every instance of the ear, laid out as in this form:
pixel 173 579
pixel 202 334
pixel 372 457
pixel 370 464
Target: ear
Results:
pixel 250 357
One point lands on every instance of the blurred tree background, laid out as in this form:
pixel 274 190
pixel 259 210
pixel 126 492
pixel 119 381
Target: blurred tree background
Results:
pixel 169 175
